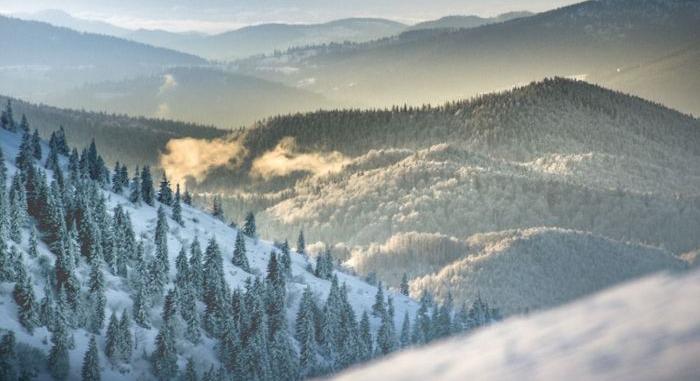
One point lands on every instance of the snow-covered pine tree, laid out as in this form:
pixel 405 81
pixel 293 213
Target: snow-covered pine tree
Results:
pixel 36 145
pixel 422 323
pixel 161 244
pixel 126 341
pixel 405 338
pixel 379 307
pixel 97 299
pixel 217 210
pixel 190 373
pixel 305 333
pixel 214 289
pixel 147 191
pixel 17 207
pixel 23 294
pixel 140 308
pixel 276 292
pixel 8 357
pixel 366 341
pixel 117 183
pixel 32 250
pixel 283 359
pixel 301 243
pixel 58 361
pixel 405 290
pixel 7 119
pixel 164 356
pixel 177 207
pixel 112 349
pixel 240 259
pixel 249 227
pixel 324 265
pixel 135 188
pixel 286 258
pixel 196 271
pixel 165 193
pixel 91 363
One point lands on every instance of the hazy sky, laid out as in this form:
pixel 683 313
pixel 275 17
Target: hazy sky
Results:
pixel 219 15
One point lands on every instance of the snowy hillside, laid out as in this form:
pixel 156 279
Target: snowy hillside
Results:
pixel 532 269
pixel 119 290
pixel 644 330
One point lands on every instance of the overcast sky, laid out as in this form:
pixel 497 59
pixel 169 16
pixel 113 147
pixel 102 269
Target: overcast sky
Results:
pixel 219 15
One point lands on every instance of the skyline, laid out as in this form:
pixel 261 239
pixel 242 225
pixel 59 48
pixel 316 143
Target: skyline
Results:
pixel 216 16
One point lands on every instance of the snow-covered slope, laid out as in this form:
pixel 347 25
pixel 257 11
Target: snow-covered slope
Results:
pixel 645 330
pixel 196 224
pixel 525 270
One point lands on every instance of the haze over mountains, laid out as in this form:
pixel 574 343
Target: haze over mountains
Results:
pixel 583 40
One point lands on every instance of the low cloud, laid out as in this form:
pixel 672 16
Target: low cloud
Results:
pixel 190 158
pixel 169 83
pixel 284 160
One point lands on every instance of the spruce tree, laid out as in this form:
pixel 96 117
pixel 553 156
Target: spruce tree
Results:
pixel 112 339
pixel 366 345
pixel 324 265
pixel 164 356
pixel 23 295
pixel 33 243
pixel 7 119
pixel 286 258
pixel 139 309
pixel 404 285
pixel 305 333
pixel 135 188
pixel 18 207
pixel 58 362
pixel 249 227
pixel 405 338
pixel 36 145
pixel 165 193
pixel 117 183
pixel 240 258
pixel 283 359
pixel 214 289
pixel 196 271
pixel 379 308
pixel 177 207
pixel 97 298
pixel 126 341
pixel 190 372
pixel 147 192
pixel 301 243
pixel 91 362
pixel 8 357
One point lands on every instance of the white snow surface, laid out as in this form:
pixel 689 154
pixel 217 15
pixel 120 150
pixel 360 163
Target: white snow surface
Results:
pixel 648 329
pixel 197 224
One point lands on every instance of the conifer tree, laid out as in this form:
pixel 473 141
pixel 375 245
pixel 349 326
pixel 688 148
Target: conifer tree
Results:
pixel 379 308
pixel 33 243
pixel 59 363
pixel 249 227
pixel 97 298
pixel 324 265
pixel 112 339
pixel 91 362
pixel 135 188
pixel 275 296
pixel 161 245
pixel 7 119
pixel 366 345
pixel 283 359
pixel 8 360
pixel 196 271
pixel 165 193
pixel 404 285
pixel 301 243
pixel 18 207
pixel 240 258
pixel 126 341
pixel 147 192
pixel 177 207
pixel 187 198
pixel 140 309
pixel 405 338
pixel 23 295
pixel 4 202
pixel 24 124
pixel 217 210
pixel 286 258
pixel 117 182
pixel 422 322
pixel 36 145
pixel 214 289
pixel 190 372
pixel 305 333
pixel 230 344
pixel 164 357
